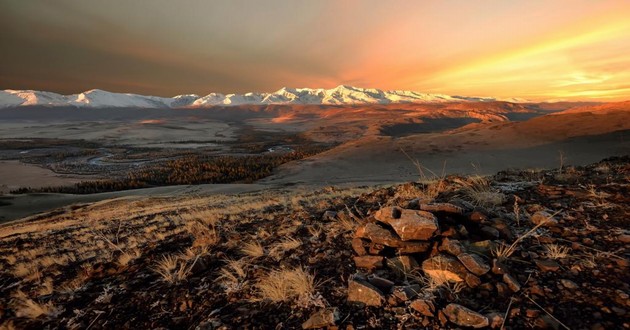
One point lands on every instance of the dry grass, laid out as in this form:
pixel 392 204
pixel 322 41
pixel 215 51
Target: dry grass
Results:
pixel 253 249
pixel 173 270
pixel 286 284
pixel 478 190
pixel 203 234
pixel 433 184
pixel 233 277
pixel 504 251
pixel 287 244
pixel 554 251
pixel 29 308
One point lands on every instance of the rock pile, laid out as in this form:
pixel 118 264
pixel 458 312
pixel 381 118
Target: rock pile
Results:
pixel 432 244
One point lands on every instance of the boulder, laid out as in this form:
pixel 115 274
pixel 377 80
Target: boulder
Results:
pixel 409 224
pixel 465 317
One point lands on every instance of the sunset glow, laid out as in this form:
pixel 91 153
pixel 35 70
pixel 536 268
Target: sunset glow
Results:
pixel 538 50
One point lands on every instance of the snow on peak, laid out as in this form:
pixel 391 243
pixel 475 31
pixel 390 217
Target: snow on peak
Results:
pixel 340 95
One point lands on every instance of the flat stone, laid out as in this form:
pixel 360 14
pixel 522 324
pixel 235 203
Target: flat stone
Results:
pixel 452 247
pixel 383 284
pixel 532 313
pixel 547 265
pixel 442 207
pixel 465 317
pixel 322 318
pixel 472 280
pixel 402 265
pixel 483 247
pixel 410 247
pixel 409 224
pixel 423 306
pixel 359 246
pixel 443 268
pixel 511 282
pixel 569 284
pixel 623 238
pixel 368 262
pixel 477 216
pixel 407 292
pixel 474 263
pixel 364 293
pixel 375 249
pixel 384 237
pixel 490 232
pixel 544 217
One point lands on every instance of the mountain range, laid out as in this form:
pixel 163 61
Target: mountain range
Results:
pixel 341 95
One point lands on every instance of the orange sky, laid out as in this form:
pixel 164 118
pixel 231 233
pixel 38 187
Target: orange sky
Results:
pixel 535 49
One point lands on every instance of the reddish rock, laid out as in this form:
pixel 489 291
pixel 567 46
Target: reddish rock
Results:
pixel 452 246
pixel 410 247
pixel 624 238
pixel 547 265
pixel 442 207
pixel 423 306
pixel 478 217
pixel 544 217
pixel 496 320
pixel 402 265
pixel 359 246
pixel 465 317
pixel 472 280
pixel 364 293
pixel 444 268
pixel 384 237
pixel 502 289
pixel 511 282
pixel 323 318
pixel 569 284
pixel 368 262
pixel 406 293
pixel 532 313
pixel 474 263
pixel 409 224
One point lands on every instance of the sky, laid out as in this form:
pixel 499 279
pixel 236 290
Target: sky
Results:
pixel 532 49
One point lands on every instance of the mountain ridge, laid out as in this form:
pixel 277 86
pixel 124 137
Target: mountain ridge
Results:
pixel 340 95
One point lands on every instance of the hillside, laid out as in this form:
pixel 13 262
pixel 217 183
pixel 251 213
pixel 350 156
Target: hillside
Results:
pixel 519 249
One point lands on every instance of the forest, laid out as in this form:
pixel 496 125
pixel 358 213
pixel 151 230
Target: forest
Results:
pixel 189 169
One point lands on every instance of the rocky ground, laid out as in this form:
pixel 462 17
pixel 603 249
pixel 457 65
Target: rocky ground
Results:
pixel 521 249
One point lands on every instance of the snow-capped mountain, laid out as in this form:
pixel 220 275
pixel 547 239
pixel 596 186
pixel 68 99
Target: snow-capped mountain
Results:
pixel 335 96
